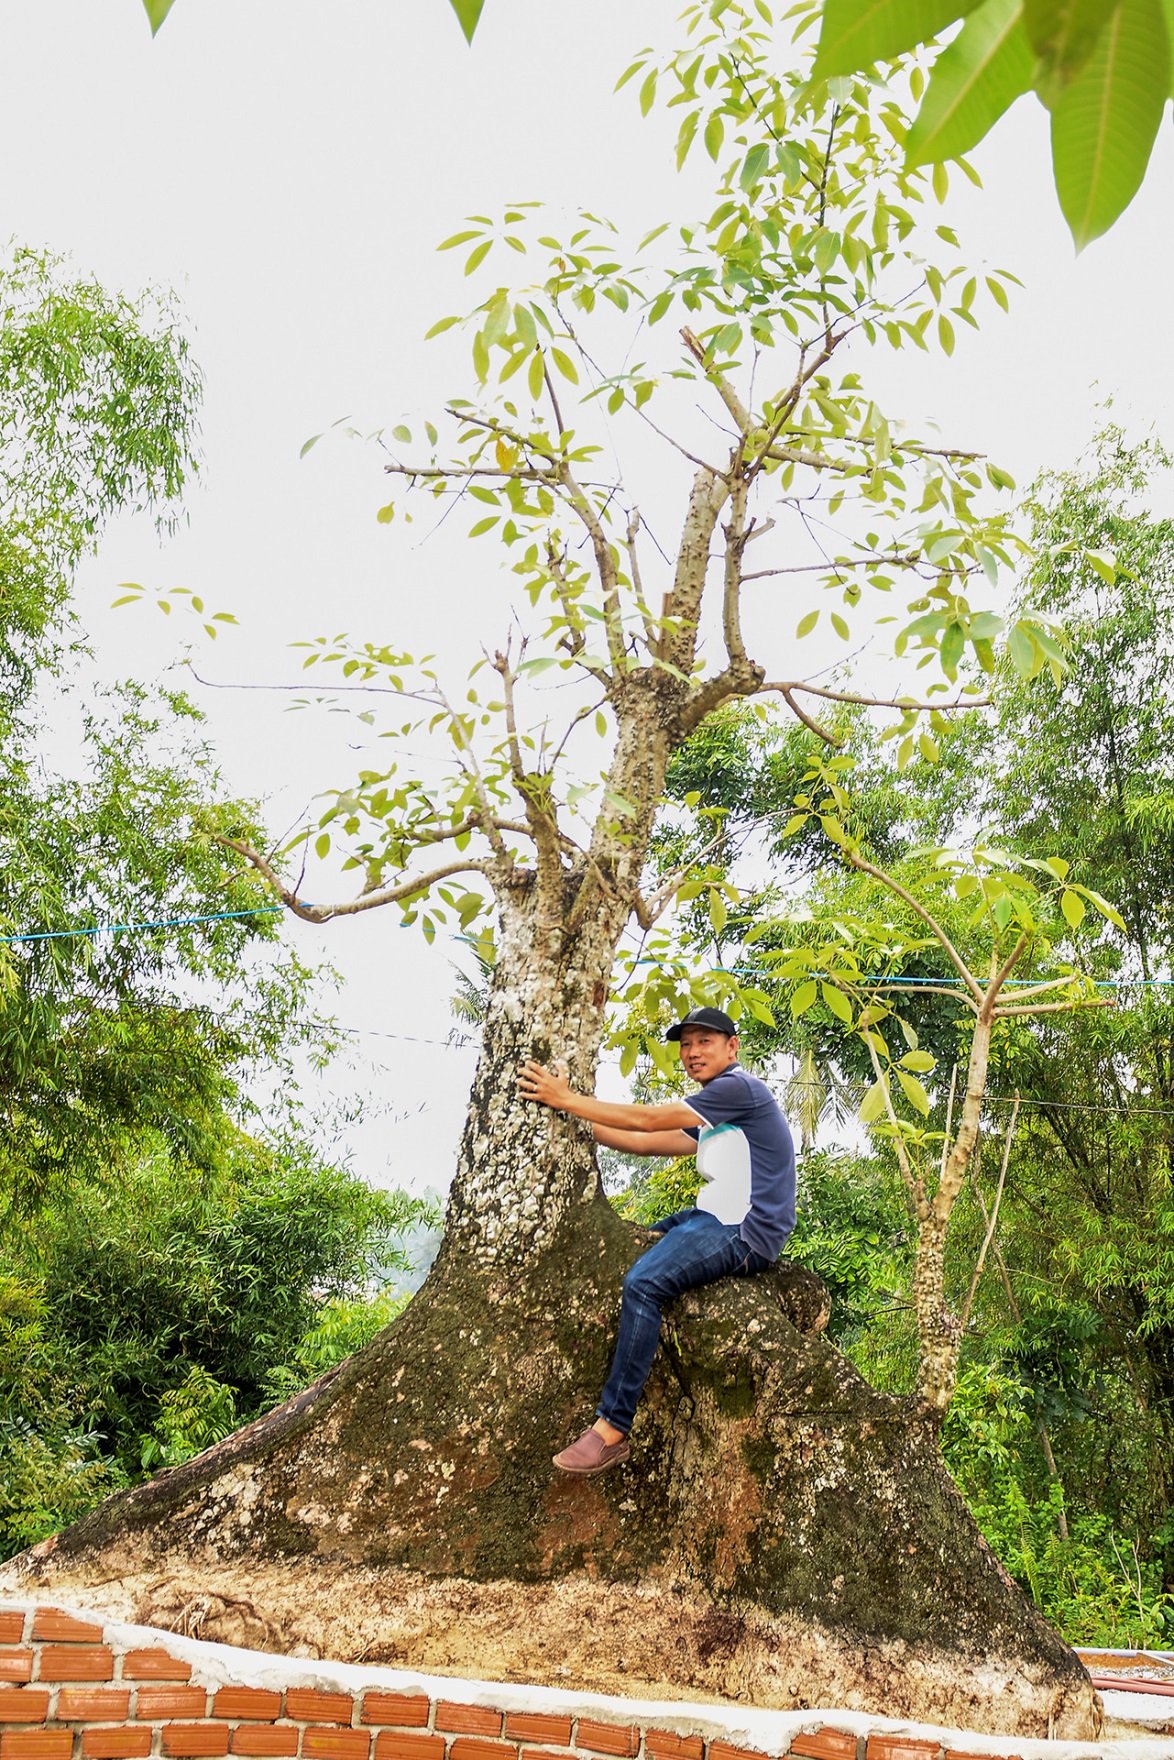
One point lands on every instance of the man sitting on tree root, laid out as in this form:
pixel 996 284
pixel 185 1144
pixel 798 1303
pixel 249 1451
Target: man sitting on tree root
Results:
pixel 744 1213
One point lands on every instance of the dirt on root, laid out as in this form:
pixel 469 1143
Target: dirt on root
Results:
pixel 633 1640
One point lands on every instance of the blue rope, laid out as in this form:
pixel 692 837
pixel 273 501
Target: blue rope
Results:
pixel 261 910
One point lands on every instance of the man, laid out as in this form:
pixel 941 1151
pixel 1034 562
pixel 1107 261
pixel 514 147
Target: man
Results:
pixel 745 1209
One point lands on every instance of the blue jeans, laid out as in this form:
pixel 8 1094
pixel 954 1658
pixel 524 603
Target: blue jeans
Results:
pixel 696 1248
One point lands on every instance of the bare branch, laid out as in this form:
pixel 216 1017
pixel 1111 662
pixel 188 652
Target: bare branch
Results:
pixel 783 686
pixel 916 1185
pixel 898 558
pixel 524 473
pixel 1007 1014
pixel 543 827
pixel 366 901
pixel 651 634
pixel 949 1118
pixel 1003 972
pixel 665 892
pixel 809 721
pixel 574 639
pixel 604 560
pixel 745 422
pixel 964 1317
pixel 735 534
pixel 468 762
pixel 931 923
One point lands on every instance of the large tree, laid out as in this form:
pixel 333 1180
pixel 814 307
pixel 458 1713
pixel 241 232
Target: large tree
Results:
pixel 789 1533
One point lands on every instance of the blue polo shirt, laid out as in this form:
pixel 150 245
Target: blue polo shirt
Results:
pixel 746 1159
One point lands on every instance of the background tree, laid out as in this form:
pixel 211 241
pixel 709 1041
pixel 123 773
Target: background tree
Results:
pixel 106 1040
pixel 163 1275
pixel 813 252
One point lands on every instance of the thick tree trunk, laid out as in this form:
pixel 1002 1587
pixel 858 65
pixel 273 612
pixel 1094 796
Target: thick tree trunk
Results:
pixel 783 1533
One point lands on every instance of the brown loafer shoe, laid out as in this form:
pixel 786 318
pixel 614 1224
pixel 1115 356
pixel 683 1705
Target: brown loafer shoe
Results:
pixel 591 1454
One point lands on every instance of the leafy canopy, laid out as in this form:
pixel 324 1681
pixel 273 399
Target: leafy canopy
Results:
pixel 1101 67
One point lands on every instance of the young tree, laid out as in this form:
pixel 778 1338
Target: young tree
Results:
pixel 776 1487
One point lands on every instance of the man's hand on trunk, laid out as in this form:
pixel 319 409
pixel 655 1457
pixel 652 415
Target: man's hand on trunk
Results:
pixel 549 1087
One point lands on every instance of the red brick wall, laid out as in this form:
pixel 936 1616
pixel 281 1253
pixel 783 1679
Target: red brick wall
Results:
pixel 73 1689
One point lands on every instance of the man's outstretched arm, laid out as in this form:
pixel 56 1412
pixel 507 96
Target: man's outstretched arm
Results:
pixel 551 1088
pixel 645 1142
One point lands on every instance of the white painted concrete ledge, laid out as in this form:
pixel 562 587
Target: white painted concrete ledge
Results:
pixel 215 1665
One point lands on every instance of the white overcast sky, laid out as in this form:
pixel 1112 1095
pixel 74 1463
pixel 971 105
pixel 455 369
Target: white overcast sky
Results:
pixel 288 167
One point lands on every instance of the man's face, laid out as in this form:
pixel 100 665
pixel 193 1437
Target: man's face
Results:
pixel 705 1053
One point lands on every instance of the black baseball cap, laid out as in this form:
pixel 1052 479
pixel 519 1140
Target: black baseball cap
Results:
pixel 714 1018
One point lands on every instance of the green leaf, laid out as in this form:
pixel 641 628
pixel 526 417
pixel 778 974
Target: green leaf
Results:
pixel 322 845
pixel 953 642
pixel 1024 653
pixel 858 32
pixel 807 624
pixel 1062 34
pixel 837 1002
pixel 460 238
pixel 987 66
pixel 648 93
pixel 1073 907
pixel 715 133
pixel 918 1060
pixel 534 375
pixel 402 434
pixel 468 13
pixel 804 997
pixel 753 167
pixel 565 365
pixel 1103 564
pixel 309 444
pixel 1105 121
pixel 717 910
pixel 439 327
pixel 157 11
pixel 914 1092
pixel 1103 905
pixel 872 1106
pixel 477 255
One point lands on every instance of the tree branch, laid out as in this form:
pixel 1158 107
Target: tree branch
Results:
pixel 903 559
pixel 1006 1014
pixel 916 1185
pixel 543 828
pixel 745 422
pixel 931 923
pixel 651 633
pixel 964 1317
pixel 783 686
pixel 366 901
pixel 735 534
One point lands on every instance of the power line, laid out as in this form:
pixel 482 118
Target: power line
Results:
pixel 261 910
